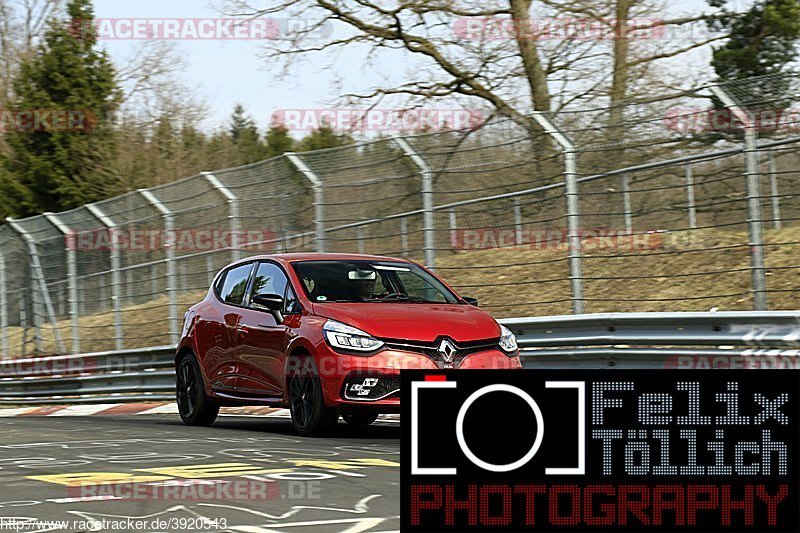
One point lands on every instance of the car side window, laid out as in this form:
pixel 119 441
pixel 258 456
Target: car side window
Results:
pixel 234 284
pixel 292 306
pixel 416 287
pixel 269 279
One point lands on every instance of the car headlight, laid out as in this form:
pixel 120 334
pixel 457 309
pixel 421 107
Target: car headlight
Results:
pixel 508 342
pixel 347 337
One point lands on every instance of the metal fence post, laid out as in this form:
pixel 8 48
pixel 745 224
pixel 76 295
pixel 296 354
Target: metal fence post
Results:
pixel 774 191
pixel 428 227
pixel 3 310
pixel 129 287
pixel 404 236
pixel 453 229
pixel 626 204
pixel 517 221
pixel 172 289
pixel 116 266
pixel 754 217
pixel 72 279
pixel 81 300
pixel 62 299
pixel 573 210
pixel 154 281
pixel 690 197
pixel 233 214
pixel 101 288
pixel 182 277
pixel 361 244
pixel 318 188
pixel 574 231
pixel 23 320
pixel 39 286
pixel 36 312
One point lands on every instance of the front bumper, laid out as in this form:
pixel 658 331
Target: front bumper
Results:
pixel 377 377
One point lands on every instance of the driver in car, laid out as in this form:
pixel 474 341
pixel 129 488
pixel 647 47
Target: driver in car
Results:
pixel 364 288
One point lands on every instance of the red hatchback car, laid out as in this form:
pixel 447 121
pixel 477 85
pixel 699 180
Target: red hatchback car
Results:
pixel 326 335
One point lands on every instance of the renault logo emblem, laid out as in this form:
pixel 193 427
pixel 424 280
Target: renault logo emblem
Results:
pixel 448 351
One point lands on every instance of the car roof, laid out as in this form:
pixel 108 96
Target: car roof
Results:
pixel 309 256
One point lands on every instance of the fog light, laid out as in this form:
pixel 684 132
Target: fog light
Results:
pixel 363 388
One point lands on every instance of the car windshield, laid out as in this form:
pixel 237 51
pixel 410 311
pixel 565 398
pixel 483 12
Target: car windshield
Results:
pixel 371 281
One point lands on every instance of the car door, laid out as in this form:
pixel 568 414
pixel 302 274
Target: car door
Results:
pixel 220 361
pixel 262 340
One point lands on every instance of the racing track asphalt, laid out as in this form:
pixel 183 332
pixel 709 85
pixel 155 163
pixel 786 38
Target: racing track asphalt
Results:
pixel 348 481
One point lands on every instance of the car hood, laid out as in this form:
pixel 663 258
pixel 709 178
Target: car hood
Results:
pixel 414 322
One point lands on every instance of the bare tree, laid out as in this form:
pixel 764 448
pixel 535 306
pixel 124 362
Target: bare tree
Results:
pixel 494 51
pixel 35 14
pixel 7 51
pixel 22 23
pixel 642 43
pixel 151 84
pixel 478 67
pixel 158 120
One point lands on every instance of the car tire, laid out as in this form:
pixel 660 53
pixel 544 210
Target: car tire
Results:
pixel 195 408
pixel 310 416
pixel 360 419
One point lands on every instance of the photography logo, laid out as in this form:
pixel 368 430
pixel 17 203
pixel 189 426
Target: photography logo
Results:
pixel 711 450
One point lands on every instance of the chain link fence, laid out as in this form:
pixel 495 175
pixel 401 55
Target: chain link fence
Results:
pixel 683 202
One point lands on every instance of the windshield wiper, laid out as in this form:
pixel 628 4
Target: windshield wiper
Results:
pixel 400 298
pixel 376 300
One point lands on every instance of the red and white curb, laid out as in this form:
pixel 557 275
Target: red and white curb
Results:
pixel 131 409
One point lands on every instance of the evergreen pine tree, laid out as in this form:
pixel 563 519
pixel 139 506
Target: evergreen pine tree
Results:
pixel 245 137
pixel 323 137
pixel 50 168
pixel 762 41
pixel 278 141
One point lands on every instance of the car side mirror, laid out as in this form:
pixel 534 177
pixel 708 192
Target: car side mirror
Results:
pixel 471 301
pixel 270 302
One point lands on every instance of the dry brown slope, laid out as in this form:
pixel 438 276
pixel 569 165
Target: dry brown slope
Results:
pixel 673 276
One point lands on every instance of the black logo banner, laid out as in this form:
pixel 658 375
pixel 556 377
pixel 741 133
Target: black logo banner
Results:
pixel 636 450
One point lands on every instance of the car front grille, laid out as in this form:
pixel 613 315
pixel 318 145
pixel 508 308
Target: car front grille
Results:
pixel 431 350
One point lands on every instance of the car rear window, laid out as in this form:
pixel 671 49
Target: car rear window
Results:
pixel 234 284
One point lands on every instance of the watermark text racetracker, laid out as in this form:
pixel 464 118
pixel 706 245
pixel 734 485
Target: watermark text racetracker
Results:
pixel 698 120
pixel 749 359
pixel 198 29
pixel 558 29
pixel 52 120
pixel 580 29
pixel 381 120
pixel 254 488
pixel 70 365
pixel 556 238
pixel 183 240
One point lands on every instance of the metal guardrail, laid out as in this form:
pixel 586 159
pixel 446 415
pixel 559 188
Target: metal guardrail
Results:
pixel 145 374
pixel 731 339
pixel 737 328
pixel 769 339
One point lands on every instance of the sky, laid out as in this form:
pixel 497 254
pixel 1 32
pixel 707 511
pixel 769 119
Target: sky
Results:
pixel 224 73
